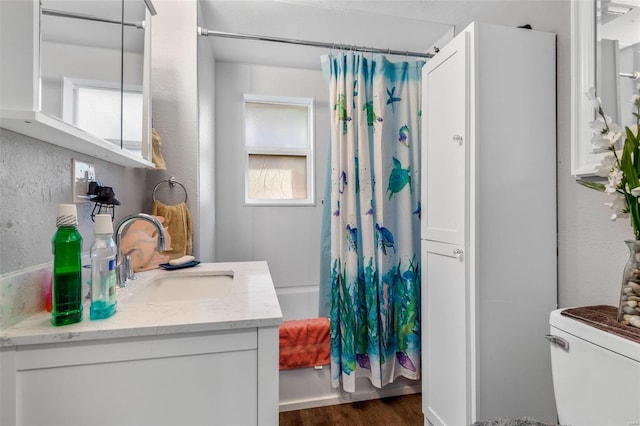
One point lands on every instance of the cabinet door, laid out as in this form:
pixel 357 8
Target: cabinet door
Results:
pixel 444 335
pixel 444 148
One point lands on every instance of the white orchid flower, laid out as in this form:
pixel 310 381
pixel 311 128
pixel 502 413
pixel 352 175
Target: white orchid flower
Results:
pixel 604 142
pixel 606 134
pixel 607 164
pixel 619 206
pixel 613 137
pixel 603 125
pixel 615 128
pixel 609 136
pixel 595 101
pixel 615 179
pixel 617 203
pixel 599 125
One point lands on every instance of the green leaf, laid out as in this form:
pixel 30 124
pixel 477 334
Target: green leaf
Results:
pixel 631 137
pixel 632 140
pixel 627 166
pixel 634 214
pixel 593 185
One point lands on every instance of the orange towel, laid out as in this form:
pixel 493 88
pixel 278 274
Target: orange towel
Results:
pixel 140 240
pixel 304 343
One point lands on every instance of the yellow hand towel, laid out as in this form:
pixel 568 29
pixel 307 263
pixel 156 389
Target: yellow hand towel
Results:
pixel 177 220
pixel 156 150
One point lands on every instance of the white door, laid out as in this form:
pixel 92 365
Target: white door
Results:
pixel 444 335
pixel 444 148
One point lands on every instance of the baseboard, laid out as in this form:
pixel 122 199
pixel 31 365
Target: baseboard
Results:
pixel 344 398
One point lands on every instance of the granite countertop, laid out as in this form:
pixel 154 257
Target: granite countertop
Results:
pixel 250 303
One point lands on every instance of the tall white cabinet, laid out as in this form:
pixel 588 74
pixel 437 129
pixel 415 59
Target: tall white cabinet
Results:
pixel 488 226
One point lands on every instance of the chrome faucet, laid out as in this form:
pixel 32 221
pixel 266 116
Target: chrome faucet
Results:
pixel 124 269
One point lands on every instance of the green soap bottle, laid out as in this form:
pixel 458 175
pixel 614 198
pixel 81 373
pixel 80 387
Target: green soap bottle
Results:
pixel 66 292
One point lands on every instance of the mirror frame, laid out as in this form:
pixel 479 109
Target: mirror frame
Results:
pixel 20 86
pixel 583 77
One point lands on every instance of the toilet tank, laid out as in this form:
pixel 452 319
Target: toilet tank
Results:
pixel 596 379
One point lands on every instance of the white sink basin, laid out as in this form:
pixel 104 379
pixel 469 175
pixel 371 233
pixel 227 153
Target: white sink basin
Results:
pixel 183 285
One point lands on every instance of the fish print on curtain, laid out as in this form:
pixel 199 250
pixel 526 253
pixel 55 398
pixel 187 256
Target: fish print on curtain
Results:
pixel 375 218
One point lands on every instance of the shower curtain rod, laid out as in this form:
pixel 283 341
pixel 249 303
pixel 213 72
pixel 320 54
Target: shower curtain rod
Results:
pixel 65 14
pixel 205 32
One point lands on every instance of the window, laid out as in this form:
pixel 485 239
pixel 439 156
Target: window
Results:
pixel 279 164
pixel 95 106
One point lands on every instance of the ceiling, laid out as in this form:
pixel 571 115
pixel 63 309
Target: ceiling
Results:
pixel 405 25
pixel 360 23
pixel 619 20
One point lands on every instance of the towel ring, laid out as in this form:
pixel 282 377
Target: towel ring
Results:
pixel 172 182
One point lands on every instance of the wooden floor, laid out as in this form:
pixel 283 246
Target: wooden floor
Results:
pixel 395 411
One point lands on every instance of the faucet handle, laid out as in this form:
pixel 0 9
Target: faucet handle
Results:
pixel 128 268
pixel 125 269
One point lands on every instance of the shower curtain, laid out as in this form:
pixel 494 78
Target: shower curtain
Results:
pixel 372 219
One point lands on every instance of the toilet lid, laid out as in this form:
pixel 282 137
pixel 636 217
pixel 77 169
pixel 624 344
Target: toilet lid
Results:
pixel 604 339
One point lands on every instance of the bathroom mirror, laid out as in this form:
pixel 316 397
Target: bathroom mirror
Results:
pixel 605 48
pixel 618 57
pixel 135 116
pixel 92 68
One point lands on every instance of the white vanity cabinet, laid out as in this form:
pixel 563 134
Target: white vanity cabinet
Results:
pixel 188 379
pixel 72 60
pixel 488 226
pixel 199 361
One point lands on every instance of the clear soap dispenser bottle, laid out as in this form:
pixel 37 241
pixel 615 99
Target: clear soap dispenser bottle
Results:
pixel 103 269
pixel 66 244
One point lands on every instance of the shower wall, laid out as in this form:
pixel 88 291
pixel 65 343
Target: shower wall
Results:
pixel 287 237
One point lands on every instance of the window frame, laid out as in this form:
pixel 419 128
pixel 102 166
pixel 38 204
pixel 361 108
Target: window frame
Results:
pixel 309 152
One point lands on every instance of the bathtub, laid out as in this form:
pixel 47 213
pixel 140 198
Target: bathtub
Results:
pixel 311 387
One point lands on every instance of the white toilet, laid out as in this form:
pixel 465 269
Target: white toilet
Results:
pixel 596 375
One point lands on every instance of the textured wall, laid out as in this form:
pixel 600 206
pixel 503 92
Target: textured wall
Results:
pixel 174 82
pixel 35 177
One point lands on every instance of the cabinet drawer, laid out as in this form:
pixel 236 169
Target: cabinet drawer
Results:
pixel 115 350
